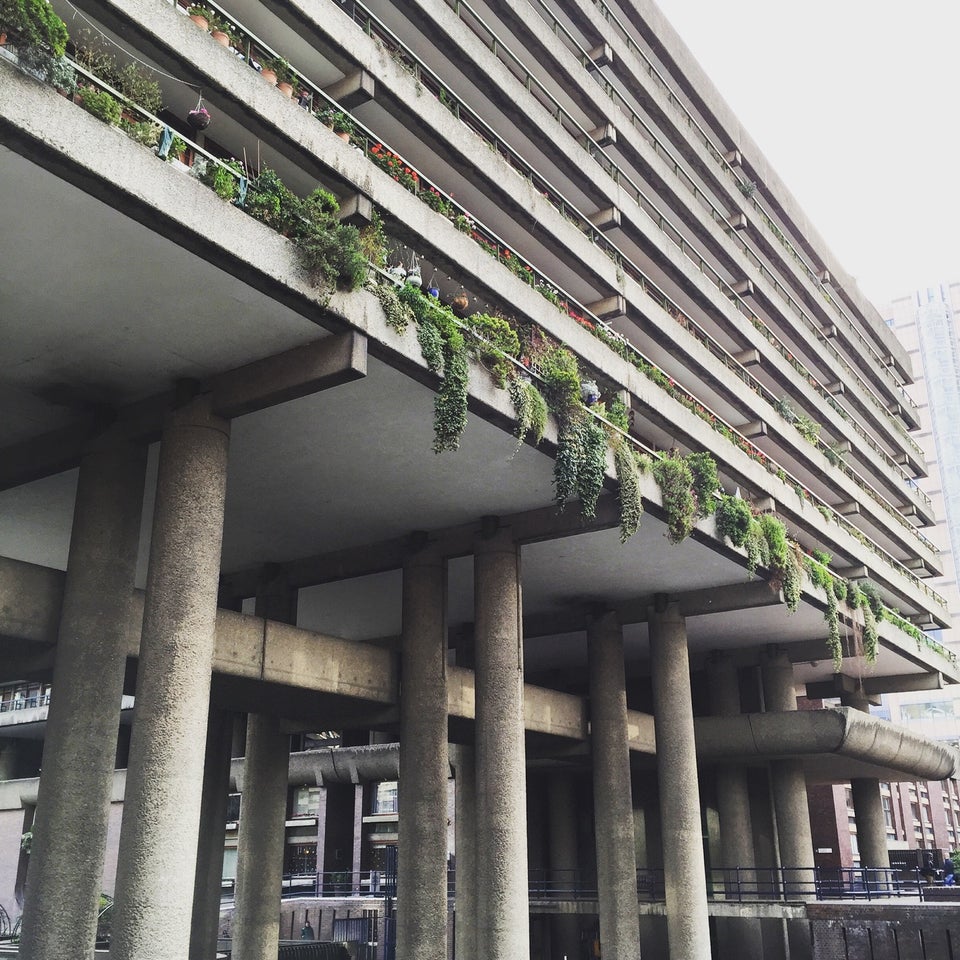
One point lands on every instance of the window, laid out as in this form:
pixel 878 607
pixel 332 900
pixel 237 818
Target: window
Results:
pixel 233 808
pixel 385 797
pixel 306 802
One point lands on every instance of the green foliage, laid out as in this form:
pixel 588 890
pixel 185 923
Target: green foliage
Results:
pixel 102 105
pixel 703 468
pixel 342 122
pixel 221 178
pixel 791 581
pixel 618 414
pixel 398 315
pixel 675 480
pixel 270 201
pixel 758 550
pixel 35 26
pixel 445 352
pixel 871 636
pixel 593 464
pixel 872 597
pixel 561 379
pixel 498 339
pixel 146 133
pixel 821 556
pixel 281 68
pixel 530 408
pixel 330 250
pixel 834 644
pixel 61 75
pixel 840 588
pixel 136 83
pixel 809 429
pixel 373 240
pixel 628 468
pixel 733 520
pixel 437 201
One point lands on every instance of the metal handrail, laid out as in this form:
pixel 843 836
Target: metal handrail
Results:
pixel 613 170
pixel 714 151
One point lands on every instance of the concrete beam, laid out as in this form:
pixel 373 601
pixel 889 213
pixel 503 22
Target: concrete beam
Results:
pixel 755 428
pixel 609 308
pixel 876 686
pixel 356 210
pixel 353 90
pixel 605 135
pixel 606 218
pixel 748 358
pixel 743 288
pixel 602 55
pixel 839 685
pixel 848 509
pixel 290 375
pixel 848 733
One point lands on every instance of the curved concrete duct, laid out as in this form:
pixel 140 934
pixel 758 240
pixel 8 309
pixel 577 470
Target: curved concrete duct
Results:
pixel 839 731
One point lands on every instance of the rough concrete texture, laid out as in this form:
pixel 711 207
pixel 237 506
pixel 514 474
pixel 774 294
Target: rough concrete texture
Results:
pixel 205 928
pixel 60 916
pixel 463 760
pixel 688 930
pixel 158 846
pixel 562 847
pixel 612 800
pixel 424 764
pixel 501 775
pixel 256 925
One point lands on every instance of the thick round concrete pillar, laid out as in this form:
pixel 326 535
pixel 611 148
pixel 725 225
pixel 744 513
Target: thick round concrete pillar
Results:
pixel 501 774
pixel 70 829
pixel 868 806
pixel 465 839
pixel 424 764
pixel 688 927
pixel 158 842
pixel 205 928
pixel 741 936
pixel 564 862
pixel 263 804
pixel 733 795
pixel 612 800
pixel 263 800
pixel 788 783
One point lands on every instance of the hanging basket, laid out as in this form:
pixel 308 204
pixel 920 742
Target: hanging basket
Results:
pixel 460 303
pixel 199 119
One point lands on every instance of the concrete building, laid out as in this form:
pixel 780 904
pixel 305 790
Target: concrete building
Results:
pixel 228 489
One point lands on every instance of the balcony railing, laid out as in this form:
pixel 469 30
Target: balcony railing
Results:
pixel 25 703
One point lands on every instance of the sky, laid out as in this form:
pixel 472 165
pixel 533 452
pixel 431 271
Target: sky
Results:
pixel 856 104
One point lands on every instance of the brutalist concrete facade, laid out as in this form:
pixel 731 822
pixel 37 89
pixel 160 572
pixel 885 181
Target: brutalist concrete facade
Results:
pixel 618 709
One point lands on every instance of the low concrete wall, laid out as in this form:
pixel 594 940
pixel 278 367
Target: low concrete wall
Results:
pixel 919 931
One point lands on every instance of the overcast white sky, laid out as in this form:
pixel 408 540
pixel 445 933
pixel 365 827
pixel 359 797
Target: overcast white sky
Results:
pixel 856 103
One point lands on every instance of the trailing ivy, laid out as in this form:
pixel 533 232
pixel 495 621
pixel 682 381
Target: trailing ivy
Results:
pixel 703 469
pixel 530 408
pixel 593 464
pixel 832 618
pixel 397 314
pixel 675 480
pixel 871 636
pixel 496 341
pixel 445 352
pixel 618 414
pixel 872 597
pixel 628 467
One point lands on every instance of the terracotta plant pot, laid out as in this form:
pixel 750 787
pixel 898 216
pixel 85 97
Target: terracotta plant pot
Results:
pixel 222 38
pixel 285 88
pixel 269 76
pixel 344 136
pixel 201 22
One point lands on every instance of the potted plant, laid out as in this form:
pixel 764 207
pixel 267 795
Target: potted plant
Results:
pixel 200 15
pixel 343 125
pixel 325 116
pixel 199 118
pixel 284 74
pixel 223 31
pixel 40 35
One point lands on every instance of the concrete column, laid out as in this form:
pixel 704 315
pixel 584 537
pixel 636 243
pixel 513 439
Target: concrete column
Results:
pixel 263 804
pixel 735 935
pixel 501 775
pixel 424 764
pixel 564 862
pixel 70 829
pixel 205 929
pixel 688 928
pixel 787 781
pixel 465 839
pixel 733 795
pixel 612 800
pixel 158 842
pixel 263 800
pixel 868 806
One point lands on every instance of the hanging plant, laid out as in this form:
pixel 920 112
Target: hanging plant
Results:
pixel 398 315
pixel 628 467
pixel 676 482
pixel 199 116
pixel 834 643
pixel 531 411
pixel 593 464
pixel 871 636
pixel 496 341
pixel 758 550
